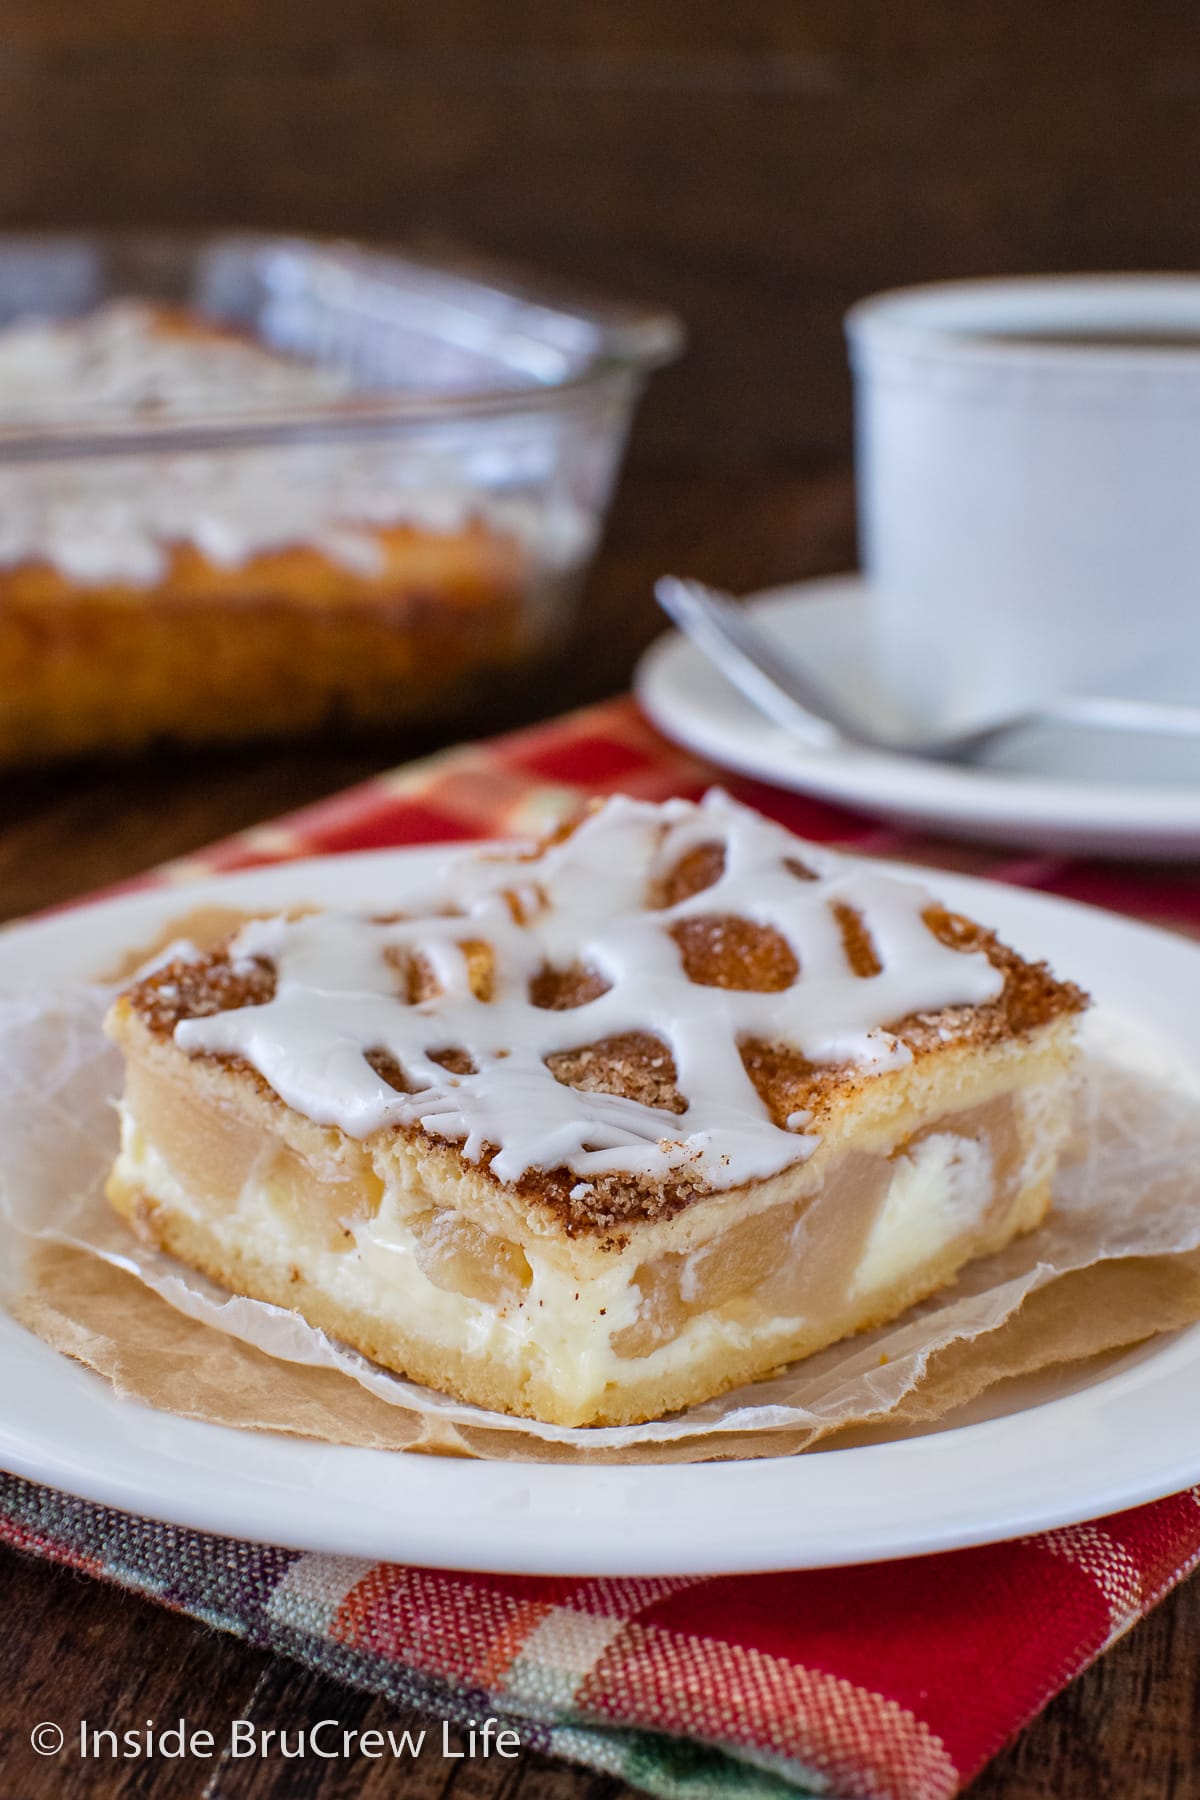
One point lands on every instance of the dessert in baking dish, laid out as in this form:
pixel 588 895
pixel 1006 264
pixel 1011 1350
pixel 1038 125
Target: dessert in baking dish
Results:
pixel 228 592
pixel 600 1130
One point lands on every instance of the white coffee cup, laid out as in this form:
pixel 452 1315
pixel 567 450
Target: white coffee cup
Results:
pixel 1028 459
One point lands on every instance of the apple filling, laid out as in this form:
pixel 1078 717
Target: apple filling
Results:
pixel 799 1259
pixel 215 1156
pixel 462 1258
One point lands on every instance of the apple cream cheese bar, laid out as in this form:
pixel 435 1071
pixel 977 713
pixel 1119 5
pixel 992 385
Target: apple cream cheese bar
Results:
pixel 603 1128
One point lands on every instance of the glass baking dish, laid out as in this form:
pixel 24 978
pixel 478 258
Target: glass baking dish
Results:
pixel 383 513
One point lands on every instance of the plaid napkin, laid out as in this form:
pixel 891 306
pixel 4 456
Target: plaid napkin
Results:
pixel 893 1681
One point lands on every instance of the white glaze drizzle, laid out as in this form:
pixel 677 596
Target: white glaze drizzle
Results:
pixel 584 904
pixel 117 519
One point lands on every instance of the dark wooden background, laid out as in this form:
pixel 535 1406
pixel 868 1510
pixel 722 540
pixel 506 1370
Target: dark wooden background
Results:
pixel 756 165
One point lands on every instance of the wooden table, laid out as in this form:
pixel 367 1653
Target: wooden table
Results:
pixel 73 1648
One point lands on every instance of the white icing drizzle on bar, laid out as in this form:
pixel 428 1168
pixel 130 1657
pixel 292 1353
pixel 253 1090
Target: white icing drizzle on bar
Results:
pixel 584 904
pixel 119 518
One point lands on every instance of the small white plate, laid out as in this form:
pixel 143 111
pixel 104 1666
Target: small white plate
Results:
pixel 1075 1445
pixel 1060 789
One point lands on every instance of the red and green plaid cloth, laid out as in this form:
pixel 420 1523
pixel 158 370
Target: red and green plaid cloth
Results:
pixel 894 1680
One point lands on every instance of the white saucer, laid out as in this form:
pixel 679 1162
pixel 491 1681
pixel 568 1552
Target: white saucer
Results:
pixel 1060 789
pixel 1067 1444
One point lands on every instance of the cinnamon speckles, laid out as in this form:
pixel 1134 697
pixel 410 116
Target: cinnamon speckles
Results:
pixel 700 867
pixel 389 1070
pixel 857 941
pixel 187 989
pixel 561 990
pixel 453 1060
pixel 735 953
pixel 1031 997
pixel 636 1065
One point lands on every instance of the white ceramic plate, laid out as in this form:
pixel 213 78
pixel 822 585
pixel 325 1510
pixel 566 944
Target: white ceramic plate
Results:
pixel 1058 789
pixel 1079 1446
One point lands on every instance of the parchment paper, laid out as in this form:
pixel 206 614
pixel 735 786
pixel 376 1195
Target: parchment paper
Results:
pixel 1117 1261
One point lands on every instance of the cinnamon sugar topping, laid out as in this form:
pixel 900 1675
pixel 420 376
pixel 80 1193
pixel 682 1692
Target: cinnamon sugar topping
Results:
pixel 670 1006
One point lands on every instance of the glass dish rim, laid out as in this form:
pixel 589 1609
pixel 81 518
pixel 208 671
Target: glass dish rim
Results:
pixel 632 341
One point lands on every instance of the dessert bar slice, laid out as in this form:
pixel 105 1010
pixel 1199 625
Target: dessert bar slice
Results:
pixel 598 1130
